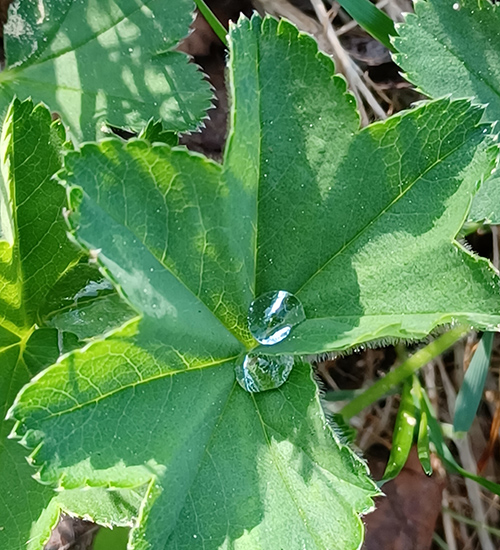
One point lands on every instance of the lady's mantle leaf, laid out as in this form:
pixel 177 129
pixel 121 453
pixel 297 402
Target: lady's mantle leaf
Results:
pixel 35 253
pixel 453 48
pixel 157 402
pixel 110 61
pixel 358 224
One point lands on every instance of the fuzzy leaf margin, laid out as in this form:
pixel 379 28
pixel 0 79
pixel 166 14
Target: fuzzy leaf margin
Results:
pixel 110 62
pixel 190 243
pixel 448 48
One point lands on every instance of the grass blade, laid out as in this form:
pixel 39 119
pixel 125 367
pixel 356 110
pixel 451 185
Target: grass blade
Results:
pixel 444 452
pixel 212 20
pixel 373 20
pixel 470 393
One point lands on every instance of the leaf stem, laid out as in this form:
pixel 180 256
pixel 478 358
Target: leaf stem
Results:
pixel 407 368
pixel 212 20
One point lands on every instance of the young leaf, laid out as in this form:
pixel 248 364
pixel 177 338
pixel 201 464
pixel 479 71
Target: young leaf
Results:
pixel 34 255
pixel 358 224
pixel 453 48
pixel 423 441
pixel 155 133
pixel 424 454
pixel 471 391
pixel 105 62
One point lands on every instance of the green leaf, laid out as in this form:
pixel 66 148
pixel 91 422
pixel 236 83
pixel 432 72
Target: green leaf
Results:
pixel 453 48
pixel 404 429
pixel 485 204
pixel 105 62
pixel 27 272
pixel 324 203
pixel 359 225
pixel 216 457
pixel 35 255
pixel 446 50
pixel 155 133
pixel 225 465
pixel 471 391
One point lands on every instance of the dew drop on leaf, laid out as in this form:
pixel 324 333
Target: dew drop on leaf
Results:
pixel 272 316
pixel 263 372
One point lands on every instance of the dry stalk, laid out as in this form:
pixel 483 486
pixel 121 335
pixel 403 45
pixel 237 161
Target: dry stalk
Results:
pixel 469 463
pixel 351 71
pixel 329 43
pixel 449 533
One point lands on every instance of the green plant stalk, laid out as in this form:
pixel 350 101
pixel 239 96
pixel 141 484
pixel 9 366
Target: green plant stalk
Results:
pixel 212 20
pixel 407 368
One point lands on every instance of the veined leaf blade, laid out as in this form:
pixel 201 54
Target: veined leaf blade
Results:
pixel 106 62
pixel 452 48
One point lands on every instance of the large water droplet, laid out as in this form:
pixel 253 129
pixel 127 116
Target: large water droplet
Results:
pixel 263 372
pixel 272 316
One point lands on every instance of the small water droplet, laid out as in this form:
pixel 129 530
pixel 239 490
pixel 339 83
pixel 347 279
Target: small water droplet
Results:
pixel 272 316
pixel 263 372
pixel 456 6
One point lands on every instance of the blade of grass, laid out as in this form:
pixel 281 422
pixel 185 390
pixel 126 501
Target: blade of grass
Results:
pixel 399 374
pixel 444 452
pixel 212 20
pixel 440 542
pixel 402 438
pixel 471 391
pixel 374 21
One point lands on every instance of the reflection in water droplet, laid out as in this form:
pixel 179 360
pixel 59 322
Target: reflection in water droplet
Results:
pixel 92 289
pixel 263 372
pixel 272 316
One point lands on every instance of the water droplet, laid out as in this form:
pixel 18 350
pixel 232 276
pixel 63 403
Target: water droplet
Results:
pixel 456 6
pixel 272 316
pixel 263 372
